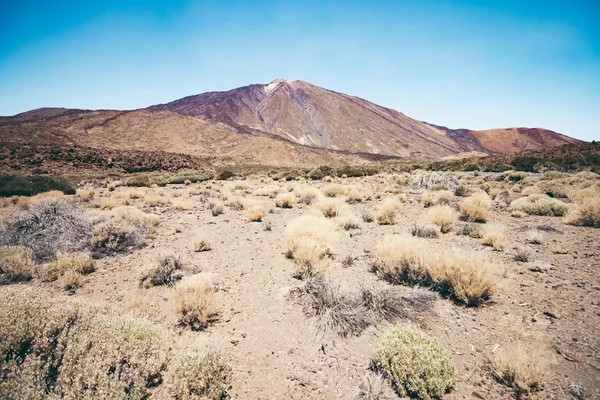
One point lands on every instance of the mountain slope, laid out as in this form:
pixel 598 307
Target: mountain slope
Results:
pixel 310 115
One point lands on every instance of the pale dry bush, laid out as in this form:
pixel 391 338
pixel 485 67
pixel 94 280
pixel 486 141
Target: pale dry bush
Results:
pixel 195 302
pixel 334 190
pixel 139 305
pixel 331 207
pixel 476 206
pixel 438 197
pixel 519 367
pixel 204 376
pixel 425 231
pixel 523 254
pixel 153 200
pixel 415 365
pixel 309 238
pixel 16 264
pixel 59 348
pixel 494 236
pixel 136 194
pixel 80 263
pixel 202 242
pixel 85 195
pixel 137 217
pixel 466 276
pixel 216 209
pixel 70 280
pixel 539 204
pixel 108 203
pixel 285 200
pixel 270 191
pixel 367 216
pixel 586 212
pixel 387 212
pixel 371 387
pixel 182 204
pixel 442 216
pixel 255 213
pixel 348 221
pixel 306 192
pixel 535 236
pixel 354 194
pixel 164 272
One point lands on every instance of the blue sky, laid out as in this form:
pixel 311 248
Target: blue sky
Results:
pixel 462 64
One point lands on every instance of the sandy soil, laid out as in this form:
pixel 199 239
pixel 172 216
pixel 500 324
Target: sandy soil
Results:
pixel 271 345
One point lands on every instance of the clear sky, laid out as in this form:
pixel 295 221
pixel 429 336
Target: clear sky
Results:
pixel 462 64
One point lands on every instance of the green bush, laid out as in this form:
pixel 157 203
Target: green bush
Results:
pixel 320 172
pixel 415 365
pixel 202 376
pixel 472 167
pixel 55 348
pixel 32 185
pixel 540 204
pixel 138 181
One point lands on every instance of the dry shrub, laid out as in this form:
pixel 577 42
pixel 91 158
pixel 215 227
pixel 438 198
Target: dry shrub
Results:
pixel 467 277
pixel 539 204
pixel 202 243
pixel 70 280
pixel 348 313
pixel 80 263
pixel 216 209
pixel 136 194
pixel 415 365
pixel 203 376
pixel 476 206
pixel 16 264
pixel 425 231
pixel 164 272
pixel 255 213
pixel 108 203
pixel 519 367
pixel 308 193
pixel 334 190
pixel 522 254
pixel 85 195
pixel 308 239
pixel 494 236
pixel 139 305
pixel 285 200
pixel 331 207
pixel 354 194
pixel 115 236
pixel 371 387
pixel 153 200
pixel 270 191
pixel 47 226
pixel 182 204
pixel 471 230
pixel 387 212
pixel 367 216
pixel 434 198
pixel 442 216
pixel 348 221
pixel 236 205
pixel 59 348
pixel 586 212
pixel 535 236
pixel 145 221
pixel 195 302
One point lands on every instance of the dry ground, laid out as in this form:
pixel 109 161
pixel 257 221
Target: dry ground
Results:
pixel 551 304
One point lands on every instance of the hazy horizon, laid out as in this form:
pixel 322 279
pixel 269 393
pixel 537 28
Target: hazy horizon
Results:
pixel 460 64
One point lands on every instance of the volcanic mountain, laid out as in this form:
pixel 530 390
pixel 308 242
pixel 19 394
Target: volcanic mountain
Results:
pixel 280 123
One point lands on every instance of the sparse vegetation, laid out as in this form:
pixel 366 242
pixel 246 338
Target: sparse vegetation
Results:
pixel 434 198
pixel 586 212
pixel 204 376
pixel 386 213
pixel 16 264
pixel 415 365
pixel 495 237
pixel 425 231
pixel 442 216
pixel 476 206
pixel 195 302
pixel 78 263
pixel 164 272
pixel 202 243
pixel 519 367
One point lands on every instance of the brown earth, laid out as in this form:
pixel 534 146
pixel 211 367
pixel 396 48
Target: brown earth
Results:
pixel 271 345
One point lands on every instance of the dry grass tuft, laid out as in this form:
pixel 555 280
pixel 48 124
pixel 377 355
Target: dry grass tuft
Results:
pixel 195 302
pixel 442 216
pixel 202 243
pixel 425 231
pixel 334 190
pixel 387 212
pixel 154 200
pixel 535 236
pixel 331 208
pixel 309 238
pixel 519 367
pixel 371 387
pixel 70 280
pixel 586 212
pixel 203 376
pixel 16 264
pixel 285 200
pixel 85 195
pixel 348 221
pixel 415 365
pixel 108 203
pixel 182 204
pixel 439 197
pixel 476 206
pixel 255 213
pixel 467 277
pixel 495 237
pixel 80 263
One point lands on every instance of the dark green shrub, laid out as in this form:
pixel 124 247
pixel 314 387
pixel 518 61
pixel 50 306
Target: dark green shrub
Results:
pixel 138 181
pixel 321 172
pixel 32 185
